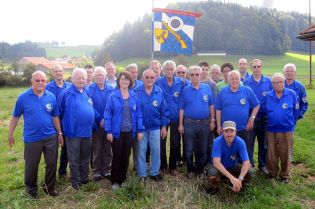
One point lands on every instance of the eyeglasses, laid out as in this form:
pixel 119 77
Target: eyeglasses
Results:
pixel 180 72
pixel 258 66
pixel 278 82
pixel 194 74
pixel 40 80
pixel 149 77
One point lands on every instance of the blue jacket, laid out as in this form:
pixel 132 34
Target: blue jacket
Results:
pixel 114 111
pixel 172 95
pixel 53 88
pixel 301 96
pixel 260 89
pixel 153 106
pixel 72 115
pixel 282 112
pixel 99 98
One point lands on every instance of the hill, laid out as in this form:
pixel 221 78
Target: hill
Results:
pixel 72 51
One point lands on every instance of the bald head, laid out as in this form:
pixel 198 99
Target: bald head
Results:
pixel 39 81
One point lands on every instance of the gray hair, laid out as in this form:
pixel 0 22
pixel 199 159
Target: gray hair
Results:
pixel 215 67
pixel 146 71
pixel 155 62
pixel 169 63
pixel 289 65
pixel 193 68
pixel 181 66
pixel 277 75
pixel 132 66
pixel 77 71
pixel 236 72
pixel 100 69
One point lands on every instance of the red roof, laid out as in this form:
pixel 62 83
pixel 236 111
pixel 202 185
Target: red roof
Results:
pixel 47 63
pixel 37 60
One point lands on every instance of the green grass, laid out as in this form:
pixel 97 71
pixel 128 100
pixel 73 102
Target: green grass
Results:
pixel 173 192
pixel 72 51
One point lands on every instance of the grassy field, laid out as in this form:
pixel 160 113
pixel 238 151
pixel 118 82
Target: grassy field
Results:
pixel 173 192
pixel 72 51
pixel 271 64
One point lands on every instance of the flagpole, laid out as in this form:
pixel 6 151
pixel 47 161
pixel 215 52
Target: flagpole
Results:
pixel 152 28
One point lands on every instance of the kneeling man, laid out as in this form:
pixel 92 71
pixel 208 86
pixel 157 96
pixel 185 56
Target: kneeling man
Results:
pixel 226 151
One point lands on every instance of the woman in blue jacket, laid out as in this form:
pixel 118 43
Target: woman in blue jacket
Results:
pixel 123 120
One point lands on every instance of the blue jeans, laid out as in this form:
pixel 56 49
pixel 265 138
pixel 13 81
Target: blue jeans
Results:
pixel 153 139
pixel 196 143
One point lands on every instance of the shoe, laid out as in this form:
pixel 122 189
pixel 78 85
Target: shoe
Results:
pixel 86 181
pixel 212 190
pixel 202 175
pixel 263 170
pixel 285 181
pixel 163 171
pixel 143 179
pixel 180 163
pixel 76 186
pixel 106 176
pixel 115 187
pixel 190 175
pixel 51 192
pixel 271 176
pixel 32 195
pixel 173 172
pixel 157 177
pixel 97 178
pixel 62 175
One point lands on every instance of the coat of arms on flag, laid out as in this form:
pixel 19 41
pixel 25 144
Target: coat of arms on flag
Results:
pixel 173 30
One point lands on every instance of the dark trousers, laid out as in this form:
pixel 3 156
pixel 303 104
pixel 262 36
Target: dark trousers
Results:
pixel 103 153
pixel 174 145
pixel 260 131
pixel 63 159
pixel 209 151
pixel 32 155
pixel 250 142
pixel 79 153
pixel 196 143
pixel 121 153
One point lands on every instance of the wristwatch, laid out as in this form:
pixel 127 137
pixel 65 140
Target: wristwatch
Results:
pixel 241 178
pixel 253 117
pixel 60 133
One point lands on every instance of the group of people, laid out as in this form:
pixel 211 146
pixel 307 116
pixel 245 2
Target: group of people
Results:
pixel 212 115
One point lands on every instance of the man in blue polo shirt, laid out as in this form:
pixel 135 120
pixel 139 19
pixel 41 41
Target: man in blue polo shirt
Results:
pixel 56 86
pixel 242 67
pixel 196 119
pixel 234 103
pixel 172 88
pixel 155 119
pixel 227 151
pixel 38 108
pixel 283 111
pixel 76 110
pixel 260 85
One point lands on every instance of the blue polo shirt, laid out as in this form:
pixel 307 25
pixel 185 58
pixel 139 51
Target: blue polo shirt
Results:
pixel 99 98
pixel 282 112
pixel 196 102
pixel 235 106
pixel 56 90
pixel 229 155
pixel 76 112
pixel 260 89
pixel 172 95
pixel 38 113
pixel 301 96
pixel 153 106
pixel 246 77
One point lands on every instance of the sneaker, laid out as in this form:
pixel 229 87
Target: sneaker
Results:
pixel 190 175
pixel 263 170
pixel 202 175
pixel 106 176
pixel 180 163
pixel 115 187
pixel 97 177
pixel 157 177
pixel 212 190
pixel 285 181
pixel 50 192
pixel 76 186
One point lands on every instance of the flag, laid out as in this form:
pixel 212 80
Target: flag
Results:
pixel 173 30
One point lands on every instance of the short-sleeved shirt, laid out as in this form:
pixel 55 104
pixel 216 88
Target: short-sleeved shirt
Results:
pixel 235 106
pixel 38 113
pixel 56 90
pixel 229 155
pixel 196 102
